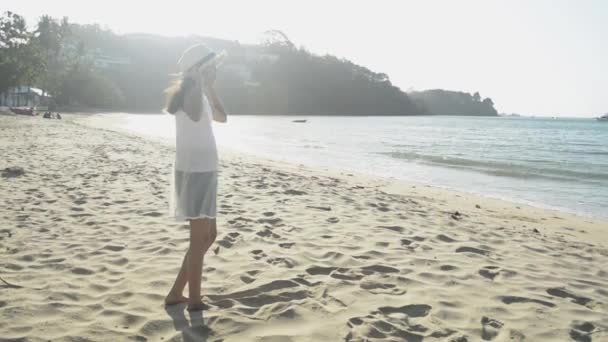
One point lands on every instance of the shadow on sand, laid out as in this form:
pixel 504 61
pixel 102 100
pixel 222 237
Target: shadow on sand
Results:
pixel 193 329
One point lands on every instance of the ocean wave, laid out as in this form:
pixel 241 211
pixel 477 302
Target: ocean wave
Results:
pixel 597 153
pixel 502 169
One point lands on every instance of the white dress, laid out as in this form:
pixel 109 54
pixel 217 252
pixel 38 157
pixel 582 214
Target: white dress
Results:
pixel 195 170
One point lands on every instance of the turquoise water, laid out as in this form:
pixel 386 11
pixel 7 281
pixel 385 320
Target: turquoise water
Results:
pixel 560 164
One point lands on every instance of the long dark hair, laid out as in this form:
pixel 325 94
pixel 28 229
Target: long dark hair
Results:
pixel 178 90
pixel 176 93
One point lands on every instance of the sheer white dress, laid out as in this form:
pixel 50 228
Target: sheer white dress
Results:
pixel 195 169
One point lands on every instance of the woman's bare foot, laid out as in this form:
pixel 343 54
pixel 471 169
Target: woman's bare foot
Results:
pixel 172 299
pixel 199 306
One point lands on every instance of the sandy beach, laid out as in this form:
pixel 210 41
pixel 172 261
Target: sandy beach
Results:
pixel 88 252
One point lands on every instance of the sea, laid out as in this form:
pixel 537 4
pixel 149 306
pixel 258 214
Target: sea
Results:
pixel 545 162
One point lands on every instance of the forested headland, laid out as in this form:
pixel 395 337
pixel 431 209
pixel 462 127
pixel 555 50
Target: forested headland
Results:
pixel 87 66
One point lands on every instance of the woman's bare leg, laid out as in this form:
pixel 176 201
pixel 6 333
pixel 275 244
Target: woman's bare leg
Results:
pixel 203 239
pixel 202 235
pixel 176 296
pixel 212 233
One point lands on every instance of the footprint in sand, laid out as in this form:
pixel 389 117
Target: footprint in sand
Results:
pixel 514 300
pixel 489 272
pixel 383 209
pixel 257 254
pixel 12 267
pixel 82 271
pixel 271 221
pixel 286 245
pixel 490 328
pixel 239 222
pixel 380 206
pixel 474 250
pixel 153 214
pixel 445 238
pixel 392 323
pixel 285 262
pixel 397 229
pixel 247 279
pixel 113 248
pixel 294 192
pixel 563 293
pixel 406 242
pixel 318 208
pixel 80 215
pixel 275 298
pixel 379 269
pixel 448 267
pixel 267 233
pixel 316 270
pixel 6 231
pixel 346 274
pixel 382 288
pixel 228 240
pixel 581 331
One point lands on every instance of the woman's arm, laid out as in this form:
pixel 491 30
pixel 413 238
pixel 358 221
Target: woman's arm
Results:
pixel 217 108
pixel 193 98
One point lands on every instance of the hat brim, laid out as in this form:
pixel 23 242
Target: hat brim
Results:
pixel 216 61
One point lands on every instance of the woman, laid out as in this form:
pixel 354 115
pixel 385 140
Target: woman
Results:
pixel 195 104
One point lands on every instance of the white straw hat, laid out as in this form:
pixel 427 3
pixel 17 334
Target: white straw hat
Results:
pixel 199 55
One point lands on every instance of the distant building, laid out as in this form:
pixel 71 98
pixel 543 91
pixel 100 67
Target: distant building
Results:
pixel 24 96
pixel 107 62
pixel 94 57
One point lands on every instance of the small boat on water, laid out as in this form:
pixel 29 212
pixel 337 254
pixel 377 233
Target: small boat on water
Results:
pixel 299 121
pixel 603 117
pixel 22 110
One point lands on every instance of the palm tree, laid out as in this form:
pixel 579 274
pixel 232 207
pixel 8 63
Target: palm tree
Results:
pixel 51 35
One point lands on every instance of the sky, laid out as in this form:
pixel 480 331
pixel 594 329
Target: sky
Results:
pixel 532 57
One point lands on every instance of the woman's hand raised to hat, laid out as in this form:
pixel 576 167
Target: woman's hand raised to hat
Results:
pixel 209 74
pixel 194 75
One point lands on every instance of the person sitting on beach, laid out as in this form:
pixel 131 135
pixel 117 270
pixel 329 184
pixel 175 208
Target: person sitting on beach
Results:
pixel 194 103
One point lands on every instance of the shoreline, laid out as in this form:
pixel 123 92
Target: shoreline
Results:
pixel 459 200
pixel 302 254
pixel 405 183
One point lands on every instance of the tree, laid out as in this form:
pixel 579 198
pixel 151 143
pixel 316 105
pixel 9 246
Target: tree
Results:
pixel 86 88
pixel 20 59
pixel 270 78
pixel 51 34
pixel 445 102
pixel 276 38
pixel 476 97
